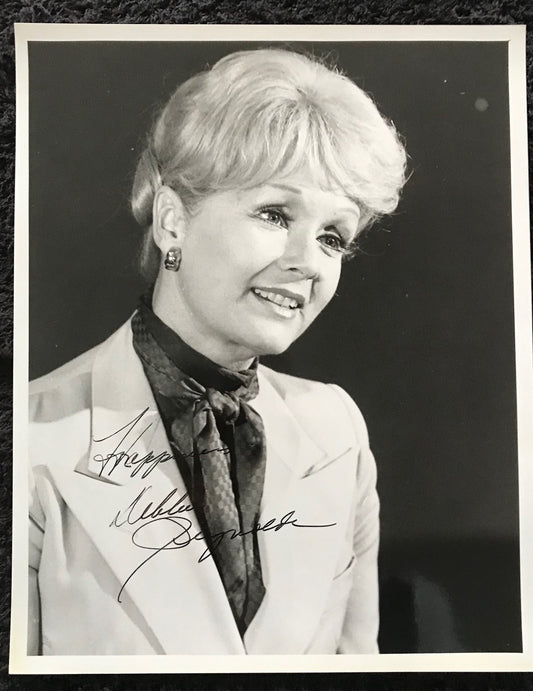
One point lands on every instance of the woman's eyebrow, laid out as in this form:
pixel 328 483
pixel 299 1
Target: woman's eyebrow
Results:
pixel 296 190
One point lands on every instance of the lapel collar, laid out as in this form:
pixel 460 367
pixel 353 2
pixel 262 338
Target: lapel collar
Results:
pixel 183 601
pixel 286 437
pixel 299 563
pixel 300 428
pixel 124 417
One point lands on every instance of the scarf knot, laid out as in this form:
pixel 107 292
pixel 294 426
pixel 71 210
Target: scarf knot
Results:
pixel 225 405
pixel 228 407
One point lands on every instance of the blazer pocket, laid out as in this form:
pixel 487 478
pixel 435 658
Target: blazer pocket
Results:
pixel 346 571
pixel 329 630
pixel 341 586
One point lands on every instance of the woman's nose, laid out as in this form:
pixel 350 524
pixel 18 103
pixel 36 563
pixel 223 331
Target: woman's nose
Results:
pixel 301 253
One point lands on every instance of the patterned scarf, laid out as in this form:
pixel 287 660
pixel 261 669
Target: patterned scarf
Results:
pixel 218 441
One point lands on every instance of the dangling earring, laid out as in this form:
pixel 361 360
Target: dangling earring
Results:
pixel 173 259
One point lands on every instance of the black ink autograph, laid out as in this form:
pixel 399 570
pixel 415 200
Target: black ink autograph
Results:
pixel 167 508
pixel 131 459
pixel 167 512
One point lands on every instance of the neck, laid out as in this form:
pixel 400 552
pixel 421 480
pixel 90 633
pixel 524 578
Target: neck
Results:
pixel 168 306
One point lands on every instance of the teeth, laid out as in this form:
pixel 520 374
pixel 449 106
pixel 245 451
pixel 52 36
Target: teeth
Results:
pixel 276 298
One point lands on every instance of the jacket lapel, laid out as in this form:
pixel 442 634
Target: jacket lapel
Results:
pixel 304 486
pixel 134 515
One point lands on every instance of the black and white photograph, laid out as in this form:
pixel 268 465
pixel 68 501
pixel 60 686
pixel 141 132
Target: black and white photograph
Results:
pixel 273 380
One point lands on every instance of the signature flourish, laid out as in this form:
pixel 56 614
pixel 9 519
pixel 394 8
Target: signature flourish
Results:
pixel 175 530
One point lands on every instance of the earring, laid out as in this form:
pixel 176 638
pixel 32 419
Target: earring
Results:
pixel 173 259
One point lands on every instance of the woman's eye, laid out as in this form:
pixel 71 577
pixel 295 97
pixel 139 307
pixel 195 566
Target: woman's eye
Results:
pixel 334 242
pixel 274 216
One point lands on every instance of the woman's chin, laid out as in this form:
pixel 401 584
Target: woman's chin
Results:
pixel 274 349
pixel 273 338
pixel 270 345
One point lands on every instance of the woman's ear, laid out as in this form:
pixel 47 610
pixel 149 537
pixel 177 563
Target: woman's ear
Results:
pixel 168 225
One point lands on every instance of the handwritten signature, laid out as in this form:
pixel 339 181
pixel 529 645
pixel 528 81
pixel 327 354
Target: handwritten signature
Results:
pixel 129 434
pixel 168 514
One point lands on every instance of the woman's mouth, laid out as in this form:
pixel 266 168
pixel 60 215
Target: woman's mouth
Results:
pixel 282 304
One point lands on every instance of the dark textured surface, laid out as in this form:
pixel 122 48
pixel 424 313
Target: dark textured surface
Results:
pixel 209 11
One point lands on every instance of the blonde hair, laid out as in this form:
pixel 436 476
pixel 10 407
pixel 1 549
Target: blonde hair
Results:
pixel 263 113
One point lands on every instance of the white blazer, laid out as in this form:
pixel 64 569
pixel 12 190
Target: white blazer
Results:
pixel 93 523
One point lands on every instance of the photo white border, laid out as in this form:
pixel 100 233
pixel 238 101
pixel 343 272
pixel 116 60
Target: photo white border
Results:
pixel 19 662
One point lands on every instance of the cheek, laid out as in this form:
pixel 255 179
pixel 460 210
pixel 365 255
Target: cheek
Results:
pixel 328 285
pixel 238 253
pixel 226 259
pixel 202 261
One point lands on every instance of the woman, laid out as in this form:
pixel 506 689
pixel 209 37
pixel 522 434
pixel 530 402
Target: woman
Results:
pixel 185 498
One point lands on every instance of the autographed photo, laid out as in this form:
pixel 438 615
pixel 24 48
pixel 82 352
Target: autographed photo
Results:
pixel 272 333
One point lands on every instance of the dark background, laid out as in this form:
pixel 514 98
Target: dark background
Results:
pixel 420 334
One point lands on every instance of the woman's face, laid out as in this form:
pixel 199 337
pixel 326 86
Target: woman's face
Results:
pixel 258 266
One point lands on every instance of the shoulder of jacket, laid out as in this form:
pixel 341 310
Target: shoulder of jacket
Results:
pixel 65 389
pixel 328 399
pixel 70 370
pixel 289 385
pixel 74 370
